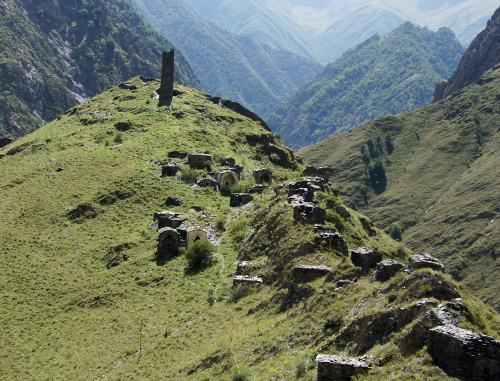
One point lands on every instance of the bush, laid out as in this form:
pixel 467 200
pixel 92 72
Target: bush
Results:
pixel 333 324
pixel 199 254
pixel 396 232
pixel 240 375
pixel 118 138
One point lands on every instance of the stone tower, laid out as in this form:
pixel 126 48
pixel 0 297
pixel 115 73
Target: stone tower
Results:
pixel 166 91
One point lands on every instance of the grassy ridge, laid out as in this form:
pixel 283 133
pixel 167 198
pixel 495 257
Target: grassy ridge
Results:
pixel 77 192
pixel 442 179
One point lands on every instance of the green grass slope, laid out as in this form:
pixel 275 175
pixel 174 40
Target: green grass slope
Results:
pixel 382 76
pixel 237 67
pixel 77 193
pixel 442 183
pixel 54 55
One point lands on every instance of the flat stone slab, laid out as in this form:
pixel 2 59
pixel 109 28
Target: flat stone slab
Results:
pixel 305 273
pixel 420 261
pixel 365 257
pixel 246 279
pixel 339 368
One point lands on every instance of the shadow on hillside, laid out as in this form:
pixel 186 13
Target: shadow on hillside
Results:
pixel 164 102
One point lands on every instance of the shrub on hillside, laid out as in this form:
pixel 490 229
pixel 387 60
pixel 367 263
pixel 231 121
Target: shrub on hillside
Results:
pixel 199 254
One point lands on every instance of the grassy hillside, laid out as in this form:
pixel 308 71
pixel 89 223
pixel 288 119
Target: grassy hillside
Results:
pixel 54 55
pixel 80 192
pixel 382 76
pixel 439 182
pixel 234 66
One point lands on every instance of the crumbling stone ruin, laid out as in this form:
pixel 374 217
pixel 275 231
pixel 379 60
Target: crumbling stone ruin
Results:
pixel 420 261
pixel 332 237
pixel 385 270
pixel 339 368
pixel 168 219
pixel 323 172
pixel 207 182
pixel 226 179
pixel 166 90
pixel 170 170
pixel 365 257
pixel 228 162
pixel 238 199
pixel 167 241
pixel 465 354
pixel 195 234
pixel 304 273
pixel 199 160
pixel 177 154
pixel 262 175
pixel 258 189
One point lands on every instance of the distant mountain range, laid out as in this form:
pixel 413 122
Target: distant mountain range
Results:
pixel 384 75
pixel 324 29
pixel 433 172
pixel 233 66
pixel 54 55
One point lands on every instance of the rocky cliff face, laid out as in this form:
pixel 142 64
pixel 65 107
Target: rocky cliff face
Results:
pixel 482 55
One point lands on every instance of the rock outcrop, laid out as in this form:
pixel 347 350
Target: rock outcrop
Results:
pixel 420 261
pixel 238 199
pixel 482 55
pixel 465 354
pixel 339 368
pixel 365 257
pixel 304 273
pixel 385 270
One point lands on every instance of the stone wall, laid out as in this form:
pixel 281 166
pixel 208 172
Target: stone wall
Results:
pixel 339 368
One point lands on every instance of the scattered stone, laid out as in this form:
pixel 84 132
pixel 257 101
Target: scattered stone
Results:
pixel 177 154
pixel 339 368
pixel 343 282
pixel 126 86
pixel 207 182
pixel 239 199
pixel 226 179
pixel 4 140
pixel 246 279
pixel 242 268
pixel 258 189
pixel 60 169
pixel 167 241
pixel 304 273
pixel 166 90
pixel 365 257
pixel 172 201
pixel 420 261
pixel 228 162
pixel 170 170
pixel 465 354
pixel 385 270
pixel 199 160
pixel 194 235
pixel 309 213
pixel 262 175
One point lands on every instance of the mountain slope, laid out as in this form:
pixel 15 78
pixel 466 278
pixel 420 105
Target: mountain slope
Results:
pixel 83 295
pixel 232 66
pixel 384 75
pixel 482 55
pixel 326 29
pixel 54 55
pixel 439 182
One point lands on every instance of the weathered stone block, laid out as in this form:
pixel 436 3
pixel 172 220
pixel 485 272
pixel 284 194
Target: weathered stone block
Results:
pixel 203 183
pixel 172 201
pixel 199 160
pixel 238 199
pixel 4 140
pixel 168 219
pixel 228 162
pixel 365 257
pixel 385 270
pixel 304 273
pixel 465 354
pixel 309 213
pixel 339 368
pixel 420 261
pixel 170 170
